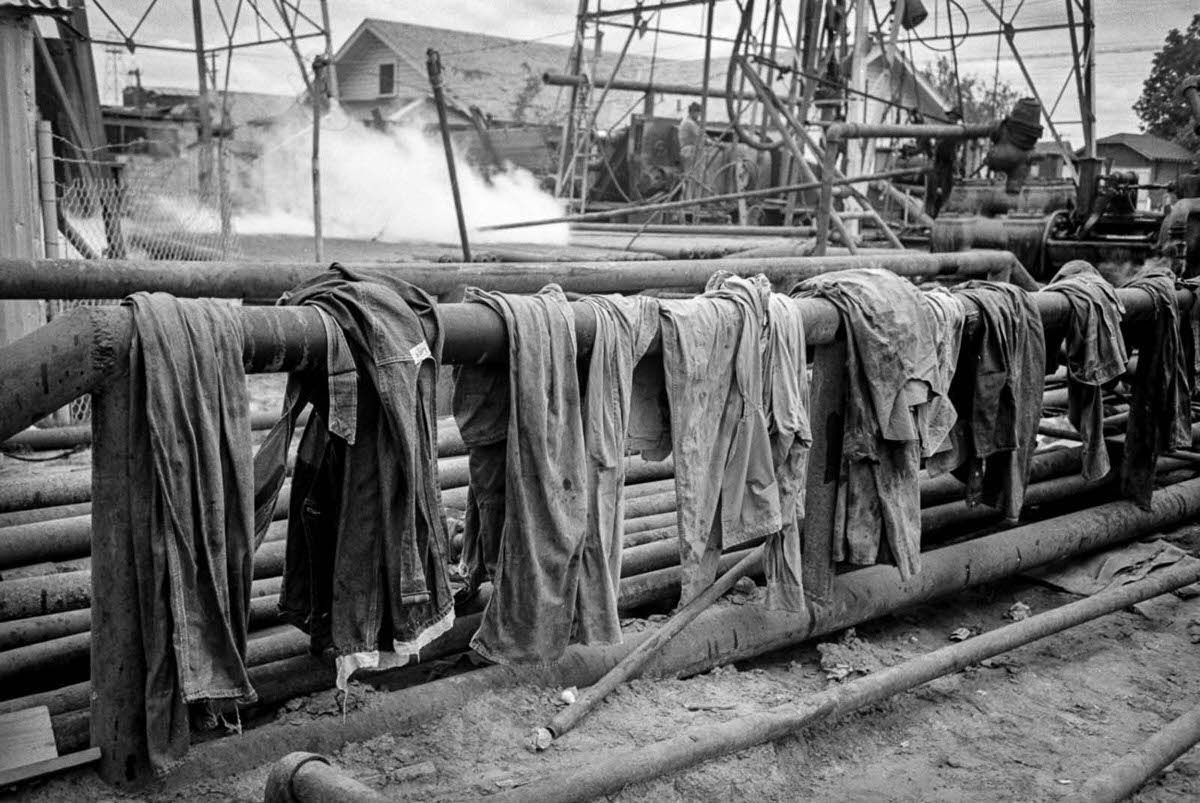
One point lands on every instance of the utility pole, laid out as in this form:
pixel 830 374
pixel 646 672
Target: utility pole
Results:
pixel 331 80
pixel 202 107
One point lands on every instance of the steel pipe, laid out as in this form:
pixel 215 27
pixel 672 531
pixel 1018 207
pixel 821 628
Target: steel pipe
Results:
pixel 308 778
pixel 723 635
pixel 620 85
pixel 1120 780
pixel 36 439
pixel 67 278
pixel 843 131
pixel 697 229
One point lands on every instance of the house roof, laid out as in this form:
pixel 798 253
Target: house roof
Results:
pixel 1051 147
pixel 244 107
pixel 503 77
pixel 36 6
pixel 928 97
pixel 1155 149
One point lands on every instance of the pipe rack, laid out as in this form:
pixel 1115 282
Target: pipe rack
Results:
pixel 87 351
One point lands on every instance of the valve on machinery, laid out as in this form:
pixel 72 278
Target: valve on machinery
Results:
pixel 1013 142
pixel 911 12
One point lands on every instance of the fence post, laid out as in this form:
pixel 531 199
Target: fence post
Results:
pixel 117 662
pixel 824 467
pixel 18 199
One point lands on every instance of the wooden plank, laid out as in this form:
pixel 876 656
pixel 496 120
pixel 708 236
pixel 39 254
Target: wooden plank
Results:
pixel 26 737
pixel 19 211
pixel 56 764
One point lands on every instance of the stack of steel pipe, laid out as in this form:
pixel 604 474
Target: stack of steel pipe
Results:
pixel 32 666
pixel 84 352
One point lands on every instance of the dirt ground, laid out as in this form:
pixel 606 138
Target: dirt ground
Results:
pixel 1030 725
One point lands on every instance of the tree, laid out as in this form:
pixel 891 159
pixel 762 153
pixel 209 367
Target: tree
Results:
pixel 982 100
pixel 1162 111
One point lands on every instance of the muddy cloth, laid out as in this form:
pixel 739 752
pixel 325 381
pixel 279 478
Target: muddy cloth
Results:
pixel 365 569
pixel 193 510
pixel 785 398
pixel 625 326
pixel 1095 355
pixel 997 392
pixel 539 604
pixel 937 418
pixel 892 371
pixel 480 406
pixel 1160 405
pixel 712 352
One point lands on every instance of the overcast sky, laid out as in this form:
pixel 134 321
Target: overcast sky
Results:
pixel 1128 33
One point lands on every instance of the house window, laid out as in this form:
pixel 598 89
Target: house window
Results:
pixel 387 79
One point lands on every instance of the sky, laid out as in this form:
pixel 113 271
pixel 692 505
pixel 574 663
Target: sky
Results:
pixel 1128 34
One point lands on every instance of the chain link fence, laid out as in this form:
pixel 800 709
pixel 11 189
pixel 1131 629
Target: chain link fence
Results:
pixel 144 209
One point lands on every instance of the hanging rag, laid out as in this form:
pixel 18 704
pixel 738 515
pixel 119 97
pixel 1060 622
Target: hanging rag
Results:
pixel 625 327
pixel 712 352
pixel 1095 355
pixel 1160 412
pixel 786 400
pixel 997 392
pixel 937 418
pixel 192 510
pixel 892 372
pixel 542 601
pixel 365 569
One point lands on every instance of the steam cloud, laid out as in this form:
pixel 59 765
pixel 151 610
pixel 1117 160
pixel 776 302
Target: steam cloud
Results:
pixel 390 186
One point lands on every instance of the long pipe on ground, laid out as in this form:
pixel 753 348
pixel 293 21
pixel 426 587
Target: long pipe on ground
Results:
pixel 724 634
pixel 299 777
pixel 663 206
pixel 1131 771
pixel 639 656
pixel 698 229
pixel 618 769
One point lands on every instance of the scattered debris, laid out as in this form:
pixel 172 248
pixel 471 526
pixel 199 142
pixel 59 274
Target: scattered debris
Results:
pixel 1125 564
pixel 847 657
pixel 1018 611
pixel 745 590
pixel 961 634
pixel 709 706
pixel 412 772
